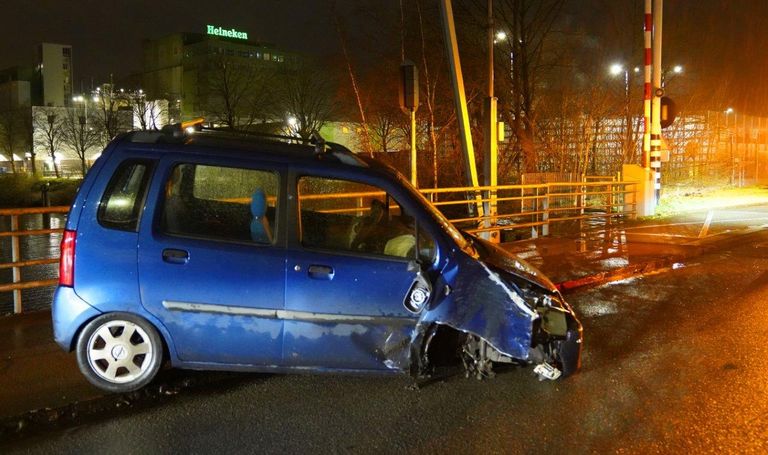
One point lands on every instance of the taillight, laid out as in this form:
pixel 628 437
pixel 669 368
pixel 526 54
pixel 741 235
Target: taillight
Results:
pixel 67 259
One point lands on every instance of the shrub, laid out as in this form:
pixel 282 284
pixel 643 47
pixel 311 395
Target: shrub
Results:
pixel 20 190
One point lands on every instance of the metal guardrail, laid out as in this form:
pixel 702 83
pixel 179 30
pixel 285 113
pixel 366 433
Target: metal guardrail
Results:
pixel 532 207
pixel 16 263
pixel 538 206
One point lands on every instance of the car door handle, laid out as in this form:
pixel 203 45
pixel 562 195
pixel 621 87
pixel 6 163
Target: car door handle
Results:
pixel 174 256
pixel 320 272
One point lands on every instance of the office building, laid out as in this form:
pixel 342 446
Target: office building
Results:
pixel 55 66
pixel 181 67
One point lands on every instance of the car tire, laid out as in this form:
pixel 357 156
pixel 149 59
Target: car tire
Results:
pixel 119 352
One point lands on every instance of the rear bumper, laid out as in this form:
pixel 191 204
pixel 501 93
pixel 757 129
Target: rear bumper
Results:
pixel 69 312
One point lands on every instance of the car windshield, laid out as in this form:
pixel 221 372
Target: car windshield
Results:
pixel 455 234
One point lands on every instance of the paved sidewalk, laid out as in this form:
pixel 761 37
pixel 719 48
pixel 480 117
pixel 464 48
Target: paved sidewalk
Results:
pixel 636 248
pixel 36 375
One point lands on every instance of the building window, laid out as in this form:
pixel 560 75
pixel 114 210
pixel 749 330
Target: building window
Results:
pixel 266 56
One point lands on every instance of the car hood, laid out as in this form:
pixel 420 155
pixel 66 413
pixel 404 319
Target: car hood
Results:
pixel 505 261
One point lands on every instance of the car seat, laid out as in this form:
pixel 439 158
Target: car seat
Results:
pixel 260 229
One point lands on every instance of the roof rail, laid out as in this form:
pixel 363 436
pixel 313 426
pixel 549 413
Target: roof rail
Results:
pixel 179 131
pixel 251 133
pixel 321 145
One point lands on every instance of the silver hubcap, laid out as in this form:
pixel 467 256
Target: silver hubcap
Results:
pixel 120 351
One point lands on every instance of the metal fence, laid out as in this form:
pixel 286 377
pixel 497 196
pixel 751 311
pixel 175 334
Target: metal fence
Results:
pixel 532 210
pixel 514 211
pixel 15 233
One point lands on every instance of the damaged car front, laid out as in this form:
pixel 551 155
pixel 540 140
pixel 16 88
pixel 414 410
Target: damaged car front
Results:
pixel 493 308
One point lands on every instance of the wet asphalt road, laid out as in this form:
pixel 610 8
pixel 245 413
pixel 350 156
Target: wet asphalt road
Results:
pixel 673 361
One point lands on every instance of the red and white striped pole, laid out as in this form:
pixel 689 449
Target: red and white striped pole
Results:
pixel 658 6
pixel 647 92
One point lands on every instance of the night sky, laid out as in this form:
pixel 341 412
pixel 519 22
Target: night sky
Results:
pixel 722 43
pixel 106 35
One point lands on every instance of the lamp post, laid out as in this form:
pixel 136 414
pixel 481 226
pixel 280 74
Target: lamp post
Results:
pixel 728 112
pixel 491 155
pixel 618 69
pixel 82 100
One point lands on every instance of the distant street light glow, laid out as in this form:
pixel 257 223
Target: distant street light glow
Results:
pixel 677 69
pixel 501 35
pixel 616 69
pixel 292 122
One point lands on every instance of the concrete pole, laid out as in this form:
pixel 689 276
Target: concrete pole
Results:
pixel 658 6
pixel 459 97
pixel 647 91
pixel 491 152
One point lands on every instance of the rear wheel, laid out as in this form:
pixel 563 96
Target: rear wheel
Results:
pixel 119 352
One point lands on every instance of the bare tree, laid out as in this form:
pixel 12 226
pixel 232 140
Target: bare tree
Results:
pixel 11 132
pixel 385 127
pixel 239 93
pixel 306 97
pixel 48 124
pixel 353 79
pixel 79 134
pixel 524 61
pixel 28 129
pixel 148 113
pixel 107 102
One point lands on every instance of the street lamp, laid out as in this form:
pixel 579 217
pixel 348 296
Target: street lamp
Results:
pixel 729 111
pixel 617 69
pixel 667 74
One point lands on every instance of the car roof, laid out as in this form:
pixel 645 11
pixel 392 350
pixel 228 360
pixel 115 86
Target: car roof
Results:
pixel 249 146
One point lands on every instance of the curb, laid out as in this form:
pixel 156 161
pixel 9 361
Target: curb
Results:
pixel 622 273
pixel 697 248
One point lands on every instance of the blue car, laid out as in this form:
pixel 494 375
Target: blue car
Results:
pixel 223 251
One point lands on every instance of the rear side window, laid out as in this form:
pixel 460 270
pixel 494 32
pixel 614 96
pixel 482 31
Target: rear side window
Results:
pixel 221 203
pixel 123 199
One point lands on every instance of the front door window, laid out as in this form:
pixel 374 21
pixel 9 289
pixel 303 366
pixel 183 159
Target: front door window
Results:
pixel 342 215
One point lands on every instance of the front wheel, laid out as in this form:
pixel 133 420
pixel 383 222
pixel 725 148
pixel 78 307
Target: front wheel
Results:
pixel 119 352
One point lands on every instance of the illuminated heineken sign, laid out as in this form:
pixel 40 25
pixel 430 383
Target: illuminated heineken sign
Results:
pixel 227 33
